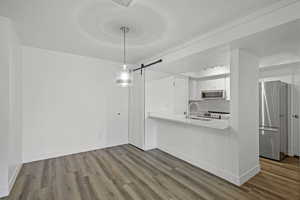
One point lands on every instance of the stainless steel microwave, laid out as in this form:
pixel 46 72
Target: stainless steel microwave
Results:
pixel 213 94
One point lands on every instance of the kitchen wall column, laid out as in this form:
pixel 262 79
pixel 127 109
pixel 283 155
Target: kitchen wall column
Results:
pixel 10 106
pixel 244 111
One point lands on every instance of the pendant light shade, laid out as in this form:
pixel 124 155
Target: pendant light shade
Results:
pixel 124 77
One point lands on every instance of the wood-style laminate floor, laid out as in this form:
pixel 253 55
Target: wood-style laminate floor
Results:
pixel 124 172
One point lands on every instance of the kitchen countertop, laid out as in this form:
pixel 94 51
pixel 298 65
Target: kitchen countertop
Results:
pixel 204 122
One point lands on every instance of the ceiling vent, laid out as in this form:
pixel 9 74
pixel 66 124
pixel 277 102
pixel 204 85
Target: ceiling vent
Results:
pixel 124 3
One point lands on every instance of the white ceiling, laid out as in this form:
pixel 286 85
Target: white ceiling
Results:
pixel 219 56
pixel 91 27
pixel 276 46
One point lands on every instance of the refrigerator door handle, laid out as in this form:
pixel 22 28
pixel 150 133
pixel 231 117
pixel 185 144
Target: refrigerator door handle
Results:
pixel 268 129
pixel 295 116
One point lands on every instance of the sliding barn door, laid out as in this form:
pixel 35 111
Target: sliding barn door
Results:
pixel 137 111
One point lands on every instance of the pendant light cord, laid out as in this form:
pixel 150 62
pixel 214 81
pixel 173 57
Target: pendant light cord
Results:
pixel 124 45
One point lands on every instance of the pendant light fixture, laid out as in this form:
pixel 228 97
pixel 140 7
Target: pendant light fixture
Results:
pixel 124 77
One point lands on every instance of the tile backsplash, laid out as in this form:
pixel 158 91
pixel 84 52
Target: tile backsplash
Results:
pixel 209 105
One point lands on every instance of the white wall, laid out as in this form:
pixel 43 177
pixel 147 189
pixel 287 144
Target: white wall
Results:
pixel 15 136
pixel 4 105
pixel 10 106
pixel 70 104
pixel 166 95
pixel 244 77
pixel 159 95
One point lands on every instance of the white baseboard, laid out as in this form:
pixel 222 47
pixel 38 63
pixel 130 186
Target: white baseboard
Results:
pixel 291 154
pixel 226 175
pixel 14 177
pixel 249 174
pixel 148 148
pixel 3 192
pixel 45 156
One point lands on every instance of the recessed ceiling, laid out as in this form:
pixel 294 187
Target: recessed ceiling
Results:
pixel 101 22
pixel 91 27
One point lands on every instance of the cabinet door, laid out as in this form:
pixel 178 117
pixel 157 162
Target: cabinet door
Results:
pixel 269 143
pixel 180 95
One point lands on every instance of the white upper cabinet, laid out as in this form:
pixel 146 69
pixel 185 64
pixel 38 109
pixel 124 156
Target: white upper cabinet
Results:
pixel 216 83
pixel 212 78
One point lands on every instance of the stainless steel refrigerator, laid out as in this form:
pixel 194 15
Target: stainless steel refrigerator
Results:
pixel 273 119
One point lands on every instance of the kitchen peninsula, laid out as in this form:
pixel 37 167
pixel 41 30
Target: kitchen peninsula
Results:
pixel 188 116
pixel 199 121
pixel 198 99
